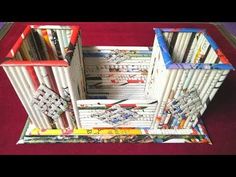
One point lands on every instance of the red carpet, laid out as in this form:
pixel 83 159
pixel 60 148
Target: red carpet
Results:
pixel 220 117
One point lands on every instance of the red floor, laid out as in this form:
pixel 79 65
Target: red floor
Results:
pixel 220 118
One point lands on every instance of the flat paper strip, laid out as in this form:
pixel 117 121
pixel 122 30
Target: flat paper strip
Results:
pixel 42 62
pixel 182 30
pixel 109 131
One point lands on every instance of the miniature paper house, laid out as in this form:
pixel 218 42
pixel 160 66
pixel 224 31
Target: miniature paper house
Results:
pixel 167 86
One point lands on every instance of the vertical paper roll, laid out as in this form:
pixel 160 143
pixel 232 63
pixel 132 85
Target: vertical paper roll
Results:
pixel 73 97
pixel 22 98
pixel 33 83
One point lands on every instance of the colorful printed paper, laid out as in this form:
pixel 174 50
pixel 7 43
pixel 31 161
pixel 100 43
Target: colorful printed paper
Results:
pixel 31 135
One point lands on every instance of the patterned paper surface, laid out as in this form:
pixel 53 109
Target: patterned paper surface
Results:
pixel 49 102
pixel 31 135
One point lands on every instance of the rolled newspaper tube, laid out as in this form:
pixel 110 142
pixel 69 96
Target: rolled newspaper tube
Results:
pixel 81 77
pixel 57 45
pixel 191 114
pixel 188 115
pixel 195 122
pixel 29 48
pixel 188 80
pixel 51 41
pixel 34 37
pixel 64 37
pixel 168 116
pixel 161 123
pixel 155 53
pixel 45 79
pixel 160 76
pixel 166 94
pixel 29 94
pixel 177 74
pixel 48 78
pixel 46 40
pixel 166 35
pixel 209 56
pixel 68 35
pixel 187 111
pixel 78 51
pixel 204 80
pixel 169 39
pixel 206 96
pixel 175 85
pixel 33 83
pixel 35 53
pixel 73 96
pixel 205 48
pixel 180 84
pixel 213 58
pixel 174 121
pixel 173 43
pixel 22 98
pixel 190 52
pixel 211 87
pixel 67 74
pixel 207 79
pixel 60 39
pixel 197 48
pixel 179 119
pixel 63 86
pixel 187 121
pixel 180 48
pixel 63 115
pixel 181 124
pixel 187 49
pixel 42 81
pixel 184 48
pixel 176 46
pixel 195 115
pixel 59 52
pixel 207 84
pixel 18 56
pixel 39 31
pixel 161 91
pixel 173 75
pixel 25 51
pixel 199 79
pixel 194 79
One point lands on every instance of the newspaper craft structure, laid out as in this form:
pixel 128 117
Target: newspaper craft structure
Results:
pixel 164 87
pixel 48 58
